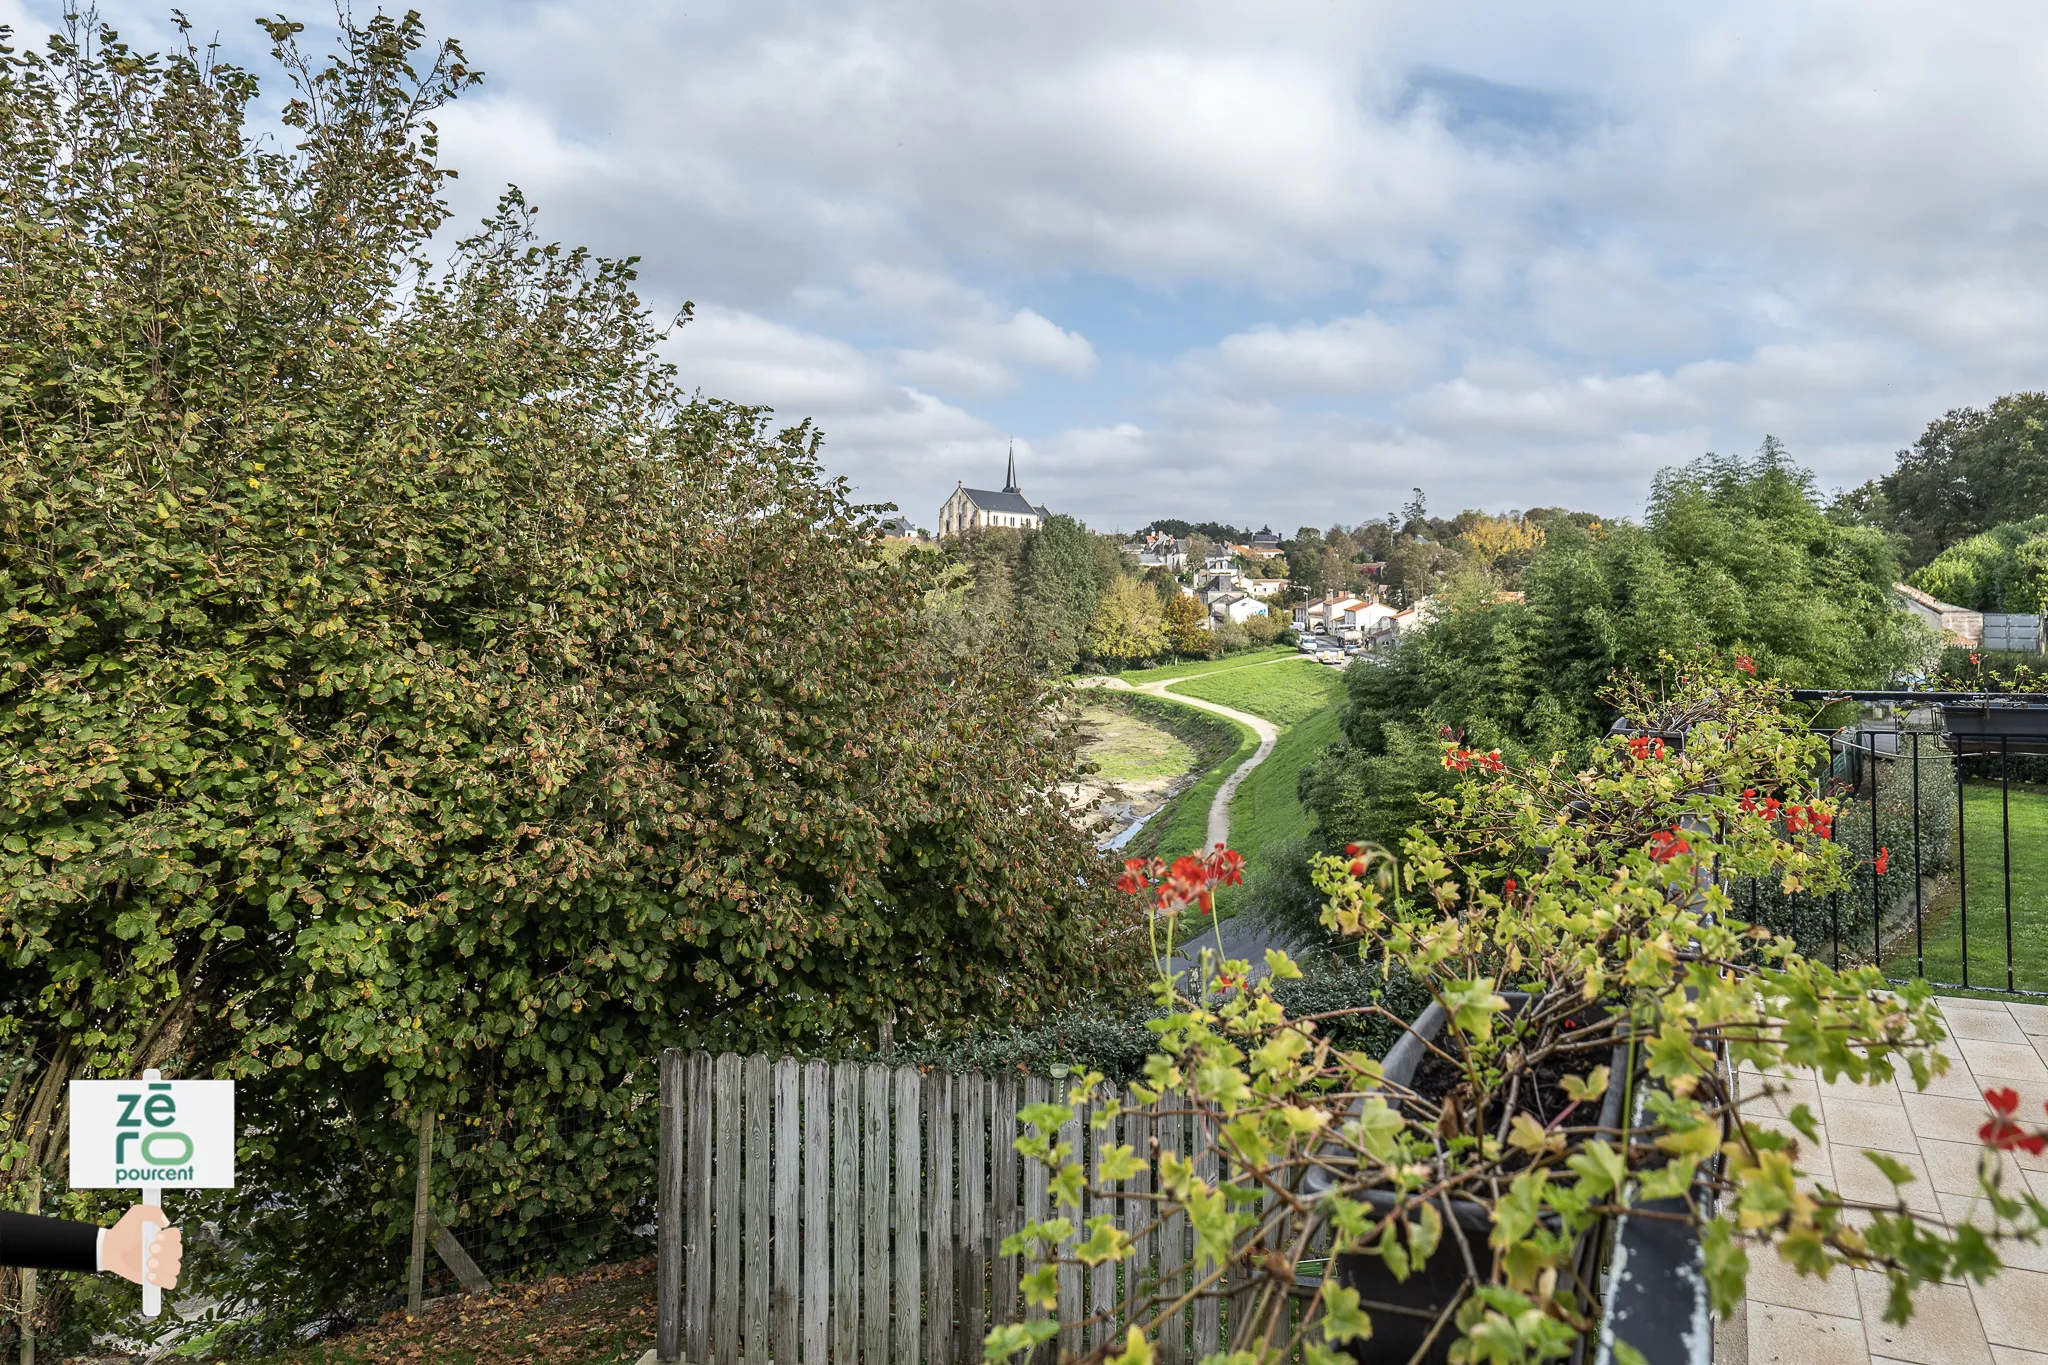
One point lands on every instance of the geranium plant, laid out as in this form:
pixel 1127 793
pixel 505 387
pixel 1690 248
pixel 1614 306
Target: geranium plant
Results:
pixel 1555 913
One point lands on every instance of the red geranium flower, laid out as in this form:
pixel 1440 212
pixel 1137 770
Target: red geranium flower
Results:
pixel 1668 844
pixel 1884 861
pixel 1509 889
pixel 1460 759
pixel 1745 663
pixel 2004 1131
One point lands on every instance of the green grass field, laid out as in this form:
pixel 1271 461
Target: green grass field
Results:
pixel 1987 885
pixel 1129 748
pixel 1284 693
pixel 1223 665
pixel 1302 700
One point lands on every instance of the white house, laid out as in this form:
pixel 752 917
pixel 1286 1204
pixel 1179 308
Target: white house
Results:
pixel 1263 587
pixel 1327 616
pixel 1236 606
pixel 973 509
pixel 1364 618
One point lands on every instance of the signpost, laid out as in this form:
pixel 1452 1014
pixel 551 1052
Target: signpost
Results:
pixel 148 1135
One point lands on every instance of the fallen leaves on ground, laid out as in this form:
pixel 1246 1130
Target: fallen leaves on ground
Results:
pixel 596 1317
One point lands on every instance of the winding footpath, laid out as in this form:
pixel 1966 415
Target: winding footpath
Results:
pixel 1219 809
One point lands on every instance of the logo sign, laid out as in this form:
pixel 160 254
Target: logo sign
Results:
pixel 130 1134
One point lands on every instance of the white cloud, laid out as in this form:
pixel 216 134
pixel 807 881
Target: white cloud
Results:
pixel 1282 261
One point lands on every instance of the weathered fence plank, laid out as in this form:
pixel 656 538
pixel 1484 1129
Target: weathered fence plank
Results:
pixel 754 1233
pixel 817 1222
pixel 939 1209
pixel 1037 1188
pixel 1072 1137
pixel 975 1250
pixel 1102 1278
pixel 908 1088
pixel 668 1211
pixel 725 1215
pixel 846 1210
pixel 1207 1323
pixel 698 1274
pixel 1002 1140
pixel 786 1249
pixel 874 1276
pixel 1173 1234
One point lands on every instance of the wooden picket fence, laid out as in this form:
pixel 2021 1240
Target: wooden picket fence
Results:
pixel 833 1211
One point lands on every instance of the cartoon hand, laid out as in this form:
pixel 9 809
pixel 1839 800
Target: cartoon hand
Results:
pixel 122 1252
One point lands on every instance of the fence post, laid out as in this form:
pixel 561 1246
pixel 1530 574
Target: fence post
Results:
pixel 668 1217
pixel 416 1268
pixel 28 1276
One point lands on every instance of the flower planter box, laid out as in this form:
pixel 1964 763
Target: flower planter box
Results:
pixel 1404 1311
pixel 1990 727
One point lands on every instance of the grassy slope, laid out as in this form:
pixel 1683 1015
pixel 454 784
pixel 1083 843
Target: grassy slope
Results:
pixel 1984 848
pixel 1284 693
pixel 1223 665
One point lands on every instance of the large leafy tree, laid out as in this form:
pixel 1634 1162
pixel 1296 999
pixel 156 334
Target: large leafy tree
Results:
pixel 410 694
pixel 1971 470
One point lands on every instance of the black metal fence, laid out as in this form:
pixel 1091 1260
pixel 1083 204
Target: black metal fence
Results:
pixel 1946 838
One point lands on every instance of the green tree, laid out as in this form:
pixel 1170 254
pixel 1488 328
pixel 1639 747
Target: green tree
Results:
pixel 1126 626
pixel 1059 584
pixel 1971 470
pixel 1185 621
pixel 1737 555
pixel 399 700
pixel 1998 570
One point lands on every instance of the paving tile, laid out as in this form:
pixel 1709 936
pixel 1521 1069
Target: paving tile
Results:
pixel 2007 1061
pixel 1880 1092
pixel 1945 1119
pixel 1883 1126
pixel 1958 1209
pixel 2030 1018
pixel 1811 1157
pixel 1950 1004
pixel 1943 1331
pixel 1956 1082
pixel 1952 1167
pixel 2007 1355
pixel 1857 1177
pixel 1985 1025
pixel 1772 1281
pixel 2014 1307
pixel 1775 1095
pixel 1788 1336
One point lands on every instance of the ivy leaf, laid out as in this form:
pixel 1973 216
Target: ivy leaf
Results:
pixel 1343 1319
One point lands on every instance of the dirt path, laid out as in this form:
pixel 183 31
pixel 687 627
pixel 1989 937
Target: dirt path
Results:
pixel 1219 809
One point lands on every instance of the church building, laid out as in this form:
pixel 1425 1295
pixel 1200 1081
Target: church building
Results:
pixel 971 509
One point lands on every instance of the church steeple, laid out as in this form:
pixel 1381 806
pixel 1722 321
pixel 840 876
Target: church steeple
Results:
pixel 1010 483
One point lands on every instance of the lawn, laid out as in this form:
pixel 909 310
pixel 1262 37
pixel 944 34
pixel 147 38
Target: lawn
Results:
pixel 1223 665
pixel 1988 886
pixel 1285 693
pixel 1129 748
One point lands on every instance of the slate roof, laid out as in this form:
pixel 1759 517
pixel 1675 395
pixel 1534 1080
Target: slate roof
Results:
pixel 1015 503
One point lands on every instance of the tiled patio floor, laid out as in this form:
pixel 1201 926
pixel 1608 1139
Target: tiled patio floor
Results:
pixel 1793 1320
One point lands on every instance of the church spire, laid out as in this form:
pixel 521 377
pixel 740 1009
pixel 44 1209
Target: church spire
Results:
pixel 1010 484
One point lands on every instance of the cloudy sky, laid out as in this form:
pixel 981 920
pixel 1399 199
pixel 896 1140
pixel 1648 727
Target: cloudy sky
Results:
pixel 1279 262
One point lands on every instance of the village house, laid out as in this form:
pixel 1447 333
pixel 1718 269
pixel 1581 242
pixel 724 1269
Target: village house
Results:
pixel 1236 606
pixel 1158 551
pixel 1263 587
pixel 974 509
